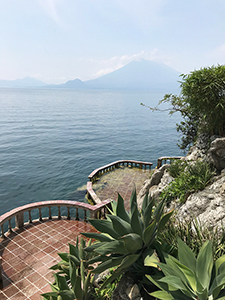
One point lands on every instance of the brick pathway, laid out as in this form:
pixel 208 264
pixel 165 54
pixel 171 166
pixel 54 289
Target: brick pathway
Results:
pixel 123 181
pixel 27 255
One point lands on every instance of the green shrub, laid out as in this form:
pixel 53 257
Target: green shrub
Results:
pixel 189 277
pixel 177 168
pixel 73 279
pixel 125 239
pixel 190 177
pixel 193 234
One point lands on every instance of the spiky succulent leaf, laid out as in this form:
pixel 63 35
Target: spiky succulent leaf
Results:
pixel 136 222
pixel 133 201
pixel 73 250
pixel 111 247
pixel 204 264
pixel 120 226
pixel 120 210
pixel 149 234
pixel 97 236
pixel 110 263
pixel 218 263
pixel 104 226
pixel 151 259
pixel 158 212
pixel 177 283
pixel 165 218
pixel 144 203
pixel 217 284
pixel 147 217
pixel 186 256
pixel 132 242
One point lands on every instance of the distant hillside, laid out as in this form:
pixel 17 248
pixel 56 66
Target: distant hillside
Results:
pixel 25 82
pixel 138 75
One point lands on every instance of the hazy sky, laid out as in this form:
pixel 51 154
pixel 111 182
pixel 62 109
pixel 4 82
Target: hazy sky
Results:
pixel 59 40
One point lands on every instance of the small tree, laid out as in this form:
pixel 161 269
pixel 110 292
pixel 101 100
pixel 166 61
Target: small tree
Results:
pixel 201 103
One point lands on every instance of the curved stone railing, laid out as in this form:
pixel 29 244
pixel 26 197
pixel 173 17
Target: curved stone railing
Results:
pixel 18 213
pixel 164 159
pixel 116 164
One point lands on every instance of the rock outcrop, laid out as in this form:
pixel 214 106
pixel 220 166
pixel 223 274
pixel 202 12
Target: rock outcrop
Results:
pixel 216 153
pixel 207 206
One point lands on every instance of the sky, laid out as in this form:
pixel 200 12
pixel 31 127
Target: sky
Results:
pixel 60 40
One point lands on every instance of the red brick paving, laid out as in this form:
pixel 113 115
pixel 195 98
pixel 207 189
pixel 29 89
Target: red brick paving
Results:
pixel 28 254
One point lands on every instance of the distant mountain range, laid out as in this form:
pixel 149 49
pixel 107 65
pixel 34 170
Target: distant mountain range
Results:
pixel 137 75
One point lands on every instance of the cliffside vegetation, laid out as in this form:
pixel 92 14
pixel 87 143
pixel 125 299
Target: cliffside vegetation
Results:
pixel 201 103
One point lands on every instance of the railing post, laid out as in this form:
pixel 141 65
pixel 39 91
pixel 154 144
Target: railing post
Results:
pixel 2 229
pixel 19 220
pixel 0 269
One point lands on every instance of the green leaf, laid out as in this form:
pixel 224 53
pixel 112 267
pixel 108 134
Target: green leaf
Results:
pixel 175 282
pixel 204 264
pixel 133 201
pixel 149 233
pixel 120 226
pixel 111 247
pixel 147 217
pixel 97 236
pixel 73 250
pixel 72 274
pixel 136 224
pixel 151 260
pixel 186 256
pixel 132 242
pixel 158 212
pixel 164 220
pixel 120 209
pixel 218 263
pixel 144 203
pixel 61 282
pixel 110 263
pixel 217 285
pixel 162 295
pixel 104 226
pixel 64 256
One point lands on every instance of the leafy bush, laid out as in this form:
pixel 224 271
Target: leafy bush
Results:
pixel 127 238
pixel 73 279
pixel 189 277
pixel 177 168
pixel 193 234
pixel 191 177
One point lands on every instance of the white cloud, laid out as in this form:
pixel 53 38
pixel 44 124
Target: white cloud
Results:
pixel 50 8
pixel 218 54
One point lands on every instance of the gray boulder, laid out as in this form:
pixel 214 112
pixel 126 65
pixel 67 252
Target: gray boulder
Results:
pixel 216 153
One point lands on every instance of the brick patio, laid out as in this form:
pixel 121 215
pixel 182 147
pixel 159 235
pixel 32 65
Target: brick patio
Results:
pixel 27 255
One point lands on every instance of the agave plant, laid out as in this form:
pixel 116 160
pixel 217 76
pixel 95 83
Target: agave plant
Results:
pixel 73 279
pixel 126 238
pixel 189 277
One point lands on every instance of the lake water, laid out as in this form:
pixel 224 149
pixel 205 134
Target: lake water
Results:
pixel 51 140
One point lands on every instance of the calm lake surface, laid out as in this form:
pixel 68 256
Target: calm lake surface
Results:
pixel 51 140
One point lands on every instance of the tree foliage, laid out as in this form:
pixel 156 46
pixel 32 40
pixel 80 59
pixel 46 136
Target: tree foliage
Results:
pixel 201 103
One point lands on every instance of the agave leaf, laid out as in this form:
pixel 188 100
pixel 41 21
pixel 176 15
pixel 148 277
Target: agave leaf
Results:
pixel 50 295
pixel 97 236
pixel 110 263
pixel 147 217
pixel 104 226
pixel 144 203
pixel 204 264
pixel 132 242
pixel 164 220
pixel 87 283
pixel 75 260
pixel 136 223
pixel 156 282
pixel 217 285
pixel 111 247
pixel 151 260
pixel 73 250
pixel 78 289
pixel 66 295
pixel 177 283
pixel 186 256
pixel 114 206
pixel 97 259
pixel 72 274
pixel 61 282
pixel 162 295
pixel 120 226
pixel 93 247
pixel 64 256
pixel 218 263
pixel 133 201
pixel 221 269
pixel 126 262
pixel 149 233
pixel 120 209
pixel 203 295
pixel 158 212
